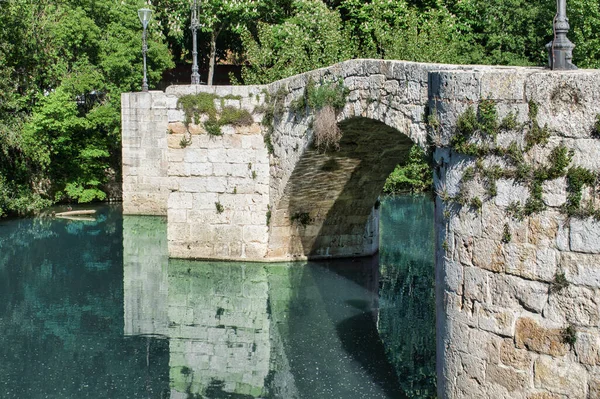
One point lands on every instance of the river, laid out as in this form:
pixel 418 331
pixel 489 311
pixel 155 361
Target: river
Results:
pixel 95 309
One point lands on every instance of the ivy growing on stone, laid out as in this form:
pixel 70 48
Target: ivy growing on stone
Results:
pixel 475 135
pixel 577 179
pixel 302 218
pixel 195 105
pixel 596 128
pixel 569 336
pixel 506 234
pixel 559 283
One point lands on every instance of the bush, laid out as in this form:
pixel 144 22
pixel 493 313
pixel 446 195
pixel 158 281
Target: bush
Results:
pixel 414 175
pixel 327 131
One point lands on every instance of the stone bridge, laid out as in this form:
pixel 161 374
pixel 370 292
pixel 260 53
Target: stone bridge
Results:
pixel 518 244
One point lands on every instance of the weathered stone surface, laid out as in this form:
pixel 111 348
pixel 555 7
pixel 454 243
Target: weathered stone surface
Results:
pixel 530 335
pixel 544 395
pixel 581 269
pixel 513 357
pixel 496 320
pixel 561 377
pixel 176 128
pixel 512 380
pixel 578 306
pixel 585 236
pixel 594 387
pixel 489 255
pixel 510 191
pixel 555 192
pixel 587 348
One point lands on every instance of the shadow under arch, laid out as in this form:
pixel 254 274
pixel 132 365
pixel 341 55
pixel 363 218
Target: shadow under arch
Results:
pixel 327 207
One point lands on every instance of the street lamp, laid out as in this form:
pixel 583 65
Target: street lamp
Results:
pixel 194 27
pixel 144 14
pixel 560 50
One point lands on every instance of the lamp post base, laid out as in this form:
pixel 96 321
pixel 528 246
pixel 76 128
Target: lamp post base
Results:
pixel 560 54
pixel 195 78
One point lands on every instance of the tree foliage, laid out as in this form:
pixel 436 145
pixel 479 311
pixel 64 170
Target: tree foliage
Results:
pixel 64 66
pixel 414 175
pixel 312 37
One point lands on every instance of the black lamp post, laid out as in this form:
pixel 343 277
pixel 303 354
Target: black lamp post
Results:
pixel 560 50
pixel 144 14
pixel 194 27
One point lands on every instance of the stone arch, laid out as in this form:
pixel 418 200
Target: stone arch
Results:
pixel 328 206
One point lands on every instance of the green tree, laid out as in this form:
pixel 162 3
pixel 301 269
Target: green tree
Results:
pixel 217 15
pixel 313 37
pixel 64 66
pixel 414 175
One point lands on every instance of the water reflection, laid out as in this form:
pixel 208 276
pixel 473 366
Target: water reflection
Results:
pixel 61 315
pixel 335 329
pixel 406 296
pixel 95 309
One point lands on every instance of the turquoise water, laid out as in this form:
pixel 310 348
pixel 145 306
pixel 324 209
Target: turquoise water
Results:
pixel 95 309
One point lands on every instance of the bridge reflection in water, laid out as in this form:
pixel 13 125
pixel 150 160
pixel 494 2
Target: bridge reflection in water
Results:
pixel 362 328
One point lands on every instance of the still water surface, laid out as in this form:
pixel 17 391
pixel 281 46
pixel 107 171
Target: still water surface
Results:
pixel 95 309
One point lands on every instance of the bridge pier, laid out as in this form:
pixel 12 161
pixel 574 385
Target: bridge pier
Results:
pixel 517 252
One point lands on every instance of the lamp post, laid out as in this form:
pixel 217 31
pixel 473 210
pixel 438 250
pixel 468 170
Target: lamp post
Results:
pixel 144 14
pixel 194 27
pixel 560 50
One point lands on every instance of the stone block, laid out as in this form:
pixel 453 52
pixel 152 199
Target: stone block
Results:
pixel 176 128
pixel 566 101
pixel 555 192
pixel 175 115
pixel 585 235
pixel 195 155
pixel 475 284
pixel 192 185
pixel 496 320
pixel 179 200
pixel 530 335
pixel 178 169
pixel 457 85
pixel 217 155
pixel 515 293
pixel 581 269
pixel 200 169
pixel 544 395
pixel 489 255
pixel 178 231
pixel 503 85
pixel 512 380
pixel 510 191
pixel 216 184
pixel 594 387
pixel 561 377
pixel 587 348
pixel 579 306
pixel 258 234
pixel 203 202
pixel 519 359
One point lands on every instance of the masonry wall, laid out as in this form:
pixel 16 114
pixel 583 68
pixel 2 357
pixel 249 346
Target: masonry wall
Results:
pixel 505 328
pixel 220 184
pixel 145 182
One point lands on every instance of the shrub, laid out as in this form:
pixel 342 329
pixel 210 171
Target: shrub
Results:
pixel 327 131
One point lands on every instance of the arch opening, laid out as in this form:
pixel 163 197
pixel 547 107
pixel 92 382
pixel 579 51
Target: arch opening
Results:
pixel 328 207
